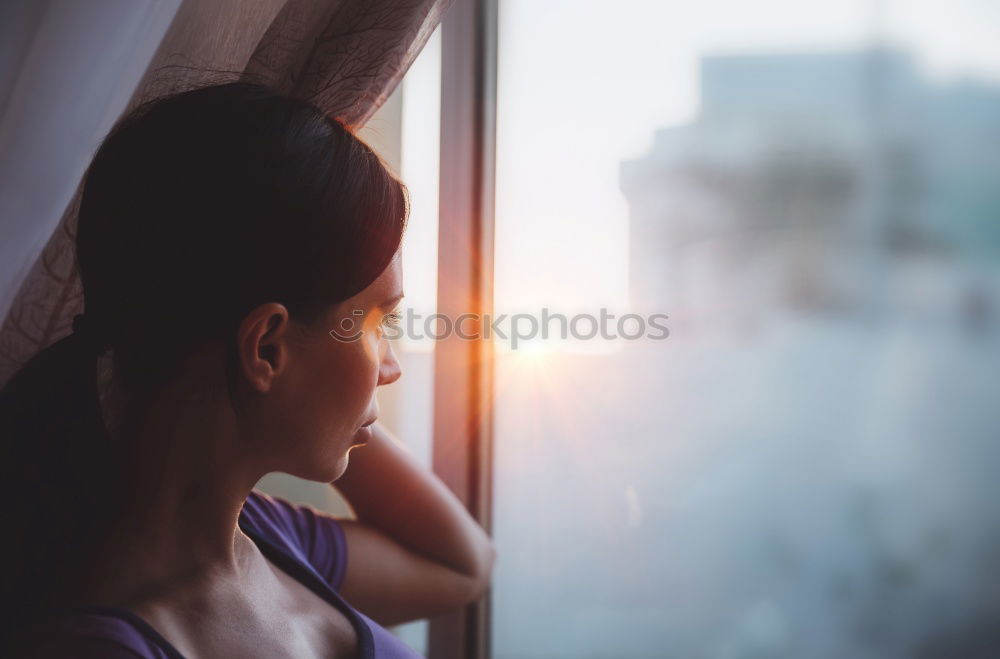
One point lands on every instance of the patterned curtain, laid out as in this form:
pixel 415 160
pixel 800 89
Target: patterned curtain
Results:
pixel 345 56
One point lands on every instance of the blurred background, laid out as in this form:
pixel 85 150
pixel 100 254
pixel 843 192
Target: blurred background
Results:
pixel 806 467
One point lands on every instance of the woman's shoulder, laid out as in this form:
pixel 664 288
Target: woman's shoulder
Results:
pixel 263 509
pixel 310 535
pixel 91 634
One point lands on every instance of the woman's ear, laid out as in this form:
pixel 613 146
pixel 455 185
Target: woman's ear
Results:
pixel 261 341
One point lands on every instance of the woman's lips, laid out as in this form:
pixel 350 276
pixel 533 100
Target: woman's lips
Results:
pixel 363 435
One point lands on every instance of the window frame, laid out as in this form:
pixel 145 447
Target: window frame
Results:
pixel 463 369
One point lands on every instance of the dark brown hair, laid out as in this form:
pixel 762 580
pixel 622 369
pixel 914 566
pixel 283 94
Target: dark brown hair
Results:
pixel 213 201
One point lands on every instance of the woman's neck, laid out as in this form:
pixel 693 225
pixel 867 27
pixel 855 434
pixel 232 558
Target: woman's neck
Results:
pixel 188 477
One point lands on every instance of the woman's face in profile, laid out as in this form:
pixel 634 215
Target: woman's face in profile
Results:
pixel 335 373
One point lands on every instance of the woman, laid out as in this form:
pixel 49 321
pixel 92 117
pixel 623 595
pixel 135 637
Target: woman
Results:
pixel 239 254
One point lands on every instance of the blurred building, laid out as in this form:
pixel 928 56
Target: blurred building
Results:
pixel 806 179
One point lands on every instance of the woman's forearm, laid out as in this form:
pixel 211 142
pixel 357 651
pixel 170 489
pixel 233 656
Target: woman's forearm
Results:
pixel 389 490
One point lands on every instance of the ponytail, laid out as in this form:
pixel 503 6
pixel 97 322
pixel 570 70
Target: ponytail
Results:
pixel 55 481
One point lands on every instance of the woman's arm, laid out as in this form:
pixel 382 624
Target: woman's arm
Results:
pixel 414 551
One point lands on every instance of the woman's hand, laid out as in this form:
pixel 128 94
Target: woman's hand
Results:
pixel 414 551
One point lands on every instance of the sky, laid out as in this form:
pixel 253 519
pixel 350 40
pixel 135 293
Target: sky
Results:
pixel 583 86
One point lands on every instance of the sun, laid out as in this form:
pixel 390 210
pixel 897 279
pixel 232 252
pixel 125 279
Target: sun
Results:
pixel 534 350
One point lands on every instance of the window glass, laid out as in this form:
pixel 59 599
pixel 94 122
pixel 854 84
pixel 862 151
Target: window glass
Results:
pixel 803 462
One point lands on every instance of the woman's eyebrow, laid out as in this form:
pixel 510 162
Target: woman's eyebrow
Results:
pixel 391 302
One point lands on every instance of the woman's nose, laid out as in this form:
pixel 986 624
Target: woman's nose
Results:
pixel 389 370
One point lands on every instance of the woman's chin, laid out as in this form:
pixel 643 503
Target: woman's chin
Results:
pixel 329 469
pixel 337 470
pixel 334 471
pixel 358 441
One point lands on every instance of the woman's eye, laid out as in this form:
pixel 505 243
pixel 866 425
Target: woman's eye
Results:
pixel 391 319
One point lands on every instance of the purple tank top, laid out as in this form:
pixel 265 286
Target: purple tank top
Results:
pixel 310 547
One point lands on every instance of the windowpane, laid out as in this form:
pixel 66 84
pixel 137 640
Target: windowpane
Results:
pixel 804 465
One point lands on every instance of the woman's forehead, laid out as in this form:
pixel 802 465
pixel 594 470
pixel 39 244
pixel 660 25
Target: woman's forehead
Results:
pixel 387 286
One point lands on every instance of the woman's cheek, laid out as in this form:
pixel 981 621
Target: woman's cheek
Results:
pixel 363 376
pixel 374 359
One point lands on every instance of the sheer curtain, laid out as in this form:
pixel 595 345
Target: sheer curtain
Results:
pixel 346 56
